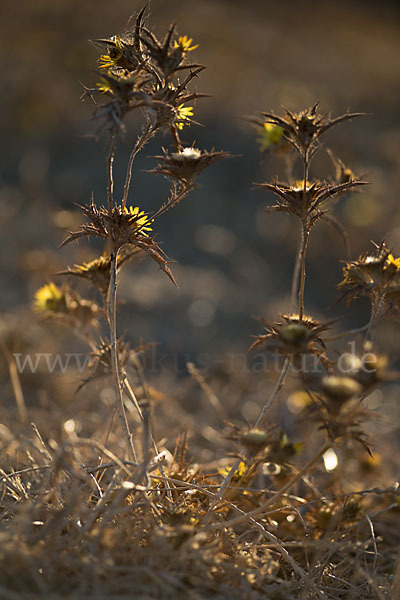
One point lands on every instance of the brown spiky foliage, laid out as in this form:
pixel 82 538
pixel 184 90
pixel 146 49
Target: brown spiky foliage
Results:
pixel 137 71
pixel 122 227
pixel 307 200
pixel 97 271
pixel 100 365
pixel 304 129
pixel 374 274
pixel 337 396
pixel 66 305
pixel 186 164
pixel 294 337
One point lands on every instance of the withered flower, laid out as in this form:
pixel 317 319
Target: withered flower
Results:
pixel 338 389
pixel 374 274
pixel 137 71
pixel 97 271
pixel 50 298
pixel 306 200
pixel 294 337
pixel 122 226
pixel 368 368
pixel 304 129
pixel 167 55
pixel 345 425
pixel 121 53
pixel 186 164
pixel 255 441
pixel 336 406
pixel 64 304
pixel 281 449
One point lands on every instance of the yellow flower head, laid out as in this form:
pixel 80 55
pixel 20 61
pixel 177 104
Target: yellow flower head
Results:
pixel 104 86
pixel 106 61
pixel 183 114
pixel 271 135
pixel 238 474
pixel 139 219
pixel 183 44
pixel 49 298
pixel 393 262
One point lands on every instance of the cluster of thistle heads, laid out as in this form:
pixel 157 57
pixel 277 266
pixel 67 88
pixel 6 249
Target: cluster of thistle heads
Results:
pixel 334 393
pixel 138 71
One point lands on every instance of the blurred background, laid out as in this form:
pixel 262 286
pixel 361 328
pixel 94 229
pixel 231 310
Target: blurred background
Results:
pixel 232 261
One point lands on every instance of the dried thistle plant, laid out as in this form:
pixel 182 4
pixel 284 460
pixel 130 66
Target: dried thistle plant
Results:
pixel 376 275
pixel 143 524
pixel 307 200
pixel 137 71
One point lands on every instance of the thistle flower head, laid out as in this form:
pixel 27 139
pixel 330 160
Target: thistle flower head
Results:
pixel 138 70
pixel 271 136
pixel 306 200
pixel 368 368
pixel 50 299
pixel 340 389
pixel 304 129
pixel 140 221
pixel 183 114
pixel 375 274
pixel 294 336
pixel 186 164
pixel 123 226
pixel 184 43
pixel 64 304
pixel 97 271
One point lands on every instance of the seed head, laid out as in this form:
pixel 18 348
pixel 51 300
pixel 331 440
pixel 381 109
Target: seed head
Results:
pixel 186 164
pixel 294 337
pixel 304 129
pixel 375 274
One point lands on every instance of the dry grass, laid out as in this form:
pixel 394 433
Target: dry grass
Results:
pixel 106 490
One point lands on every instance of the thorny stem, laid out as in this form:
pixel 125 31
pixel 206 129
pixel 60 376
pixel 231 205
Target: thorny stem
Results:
pixel 277 389
pixel 112 316
pixel 110 176
pixel 374 315
pixel 259 420
pixel 136 403
pixel 305 236
pixel 140 143
pixel 175 136
pixel 295 277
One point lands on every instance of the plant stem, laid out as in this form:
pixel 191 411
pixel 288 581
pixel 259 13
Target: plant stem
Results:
pixel 303 251
pixel 259 420
pixel 110 176
pixel 140 143
pixel 374 315
pixel 16 383
pixel 112 317
pixel 277 389
pixel 296 273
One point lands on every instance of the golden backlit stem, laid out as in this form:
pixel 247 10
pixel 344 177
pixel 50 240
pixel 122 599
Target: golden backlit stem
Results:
pixel 112 315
